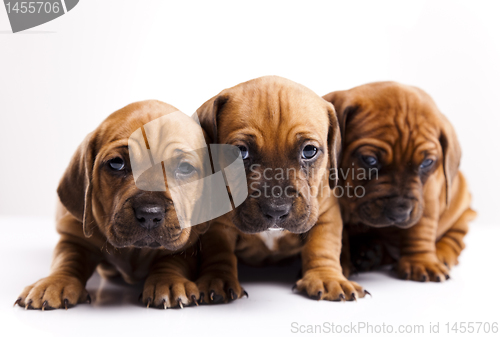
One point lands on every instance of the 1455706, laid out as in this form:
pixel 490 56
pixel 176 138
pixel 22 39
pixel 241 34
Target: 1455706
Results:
pixel 472 327
pixel 32 7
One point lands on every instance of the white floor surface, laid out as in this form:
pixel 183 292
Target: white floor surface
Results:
pixel 472 295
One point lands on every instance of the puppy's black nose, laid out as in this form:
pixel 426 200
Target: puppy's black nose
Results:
pixel 276 211
pixel 149 216
pixel 398 210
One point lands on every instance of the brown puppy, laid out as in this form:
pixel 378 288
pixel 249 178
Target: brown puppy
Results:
pixel 403 156
pixel 288 138
pixel 106 221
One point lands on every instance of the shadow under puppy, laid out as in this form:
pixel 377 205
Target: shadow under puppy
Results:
pixel 288 138
pixel 106 221
pixel 415 205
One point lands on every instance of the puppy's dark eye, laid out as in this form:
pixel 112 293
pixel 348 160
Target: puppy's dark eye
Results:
pixel 185 169
pixel 426 163
pixel 117 164
pixel 309 152
pixel 370 160
pixel 244 151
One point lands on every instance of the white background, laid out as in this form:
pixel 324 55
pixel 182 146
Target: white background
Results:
pixel 58 81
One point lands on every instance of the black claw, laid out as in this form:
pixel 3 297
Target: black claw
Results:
pixel 406 276
pixel 424 278
pixel 368 293
pixel 319 295
pixel 438 279
pixel 193 298
pixel 17 301
pixel 28 304
pixel 45 305
pixel 89 299
pixel 202 296
pixel 294 287
pixel 232 294
pixel 447 276
pixel 447 266
pixel 140 297
pixel 66 303
pixel 342 297
pixel 353 297
pixel 245 293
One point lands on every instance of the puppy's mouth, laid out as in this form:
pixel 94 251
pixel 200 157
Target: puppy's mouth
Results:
pixel 155 242
pixel 385 223
pixel 404 225
pixel 143 243
pixel 256 224
pixel 275 228
pixel 375 217
pixel 147 243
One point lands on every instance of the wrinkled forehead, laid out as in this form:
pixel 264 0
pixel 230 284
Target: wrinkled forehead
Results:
pixel 169 137
pixel 159 130
pixel 174 130
pixel 271 108
pixel 400 118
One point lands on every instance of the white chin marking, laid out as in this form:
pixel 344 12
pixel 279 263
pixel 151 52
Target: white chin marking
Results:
pixel 271 236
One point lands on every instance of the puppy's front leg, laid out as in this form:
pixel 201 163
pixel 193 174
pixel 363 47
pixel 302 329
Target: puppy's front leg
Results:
pixel 418 261
pixel 345 255
pixel 168 283
pixel 219 273
pixel 322 272
pixel 72 265
pixel 451 244
pixel 454 224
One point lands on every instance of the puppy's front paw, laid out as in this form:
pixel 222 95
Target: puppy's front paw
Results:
pixel 422 268
pixel 326 284
pixel 446 254
pixel 216 288
pixel 53 292
pixel 167 291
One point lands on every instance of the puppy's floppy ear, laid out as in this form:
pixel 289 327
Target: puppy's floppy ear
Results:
pixel 342 109
pixel 209 112
pixel 452 153
pixel 334 146
pixel 75 187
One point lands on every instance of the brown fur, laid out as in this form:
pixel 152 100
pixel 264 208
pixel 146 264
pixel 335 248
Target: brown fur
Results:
pixel 275 118
pixel 402 126
pixel 98 228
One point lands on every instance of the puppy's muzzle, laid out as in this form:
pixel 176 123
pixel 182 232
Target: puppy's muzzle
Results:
pixel 398 210
pixel 150 216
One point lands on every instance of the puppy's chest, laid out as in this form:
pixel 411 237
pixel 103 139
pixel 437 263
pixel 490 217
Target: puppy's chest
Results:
pixel 132 264
pixel 271 239
pixel 268 247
